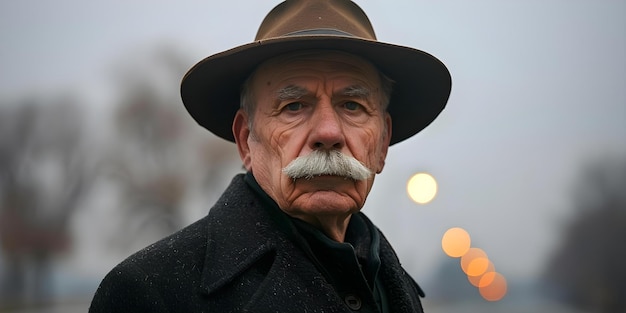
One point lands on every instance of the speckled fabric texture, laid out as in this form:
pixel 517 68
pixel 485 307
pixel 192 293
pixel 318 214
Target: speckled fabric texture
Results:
pixel 235 260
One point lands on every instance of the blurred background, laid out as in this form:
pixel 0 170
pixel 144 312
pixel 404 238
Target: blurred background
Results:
pixel 98 157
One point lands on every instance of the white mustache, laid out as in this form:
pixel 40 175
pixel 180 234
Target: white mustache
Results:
pixel 325 162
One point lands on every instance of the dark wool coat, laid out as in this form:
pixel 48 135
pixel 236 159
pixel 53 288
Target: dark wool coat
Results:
pixel 235 260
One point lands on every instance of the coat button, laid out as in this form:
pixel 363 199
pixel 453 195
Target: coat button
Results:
pixel 353 302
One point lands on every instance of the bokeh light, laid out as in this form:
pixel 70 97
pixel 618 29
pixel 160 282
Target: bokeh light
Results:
pixel 475 280
pixel 473 262
pixel 422 188
pixel 492 286
pixel 477 266
pixel 455 242
pixel 480 270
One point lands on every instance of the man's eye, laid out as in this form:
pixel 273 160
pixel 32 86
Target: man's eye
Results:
pixel 294 106
pixel 351 105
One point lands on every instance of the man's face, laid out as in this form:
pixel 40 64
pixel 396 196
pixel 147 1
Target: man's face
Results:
pixel 314 101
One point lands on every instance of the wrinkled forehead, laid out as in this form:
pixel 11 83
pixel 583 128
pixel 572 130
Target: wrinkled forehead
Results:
pixel 329 60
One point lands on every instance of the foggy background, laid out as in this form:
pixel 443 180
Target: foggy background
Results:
pixel 98 157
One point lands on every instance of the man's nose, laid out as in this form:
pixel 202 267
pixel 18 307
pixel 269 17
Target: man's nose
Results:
pixel 326 128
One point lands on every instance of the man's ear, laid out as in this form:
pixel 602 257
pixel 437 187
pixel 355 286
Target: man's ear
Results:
pixel 385 143
pixel 241 132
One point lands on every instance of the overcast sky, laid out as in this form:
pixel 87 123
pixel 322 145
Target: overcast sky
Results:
pixel 539 90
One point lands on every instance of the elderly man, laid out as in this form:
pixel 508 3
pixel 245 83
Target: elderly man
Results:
pixel 312 105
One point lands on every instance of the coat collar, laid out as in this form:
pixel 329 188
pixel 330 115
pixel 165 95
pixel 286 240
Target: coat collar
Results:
pixel 237 236
pixel 241 234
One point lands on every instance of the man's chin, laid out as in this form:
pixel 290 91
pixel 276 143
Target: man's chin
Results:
pixel 326 202
pixel 328 195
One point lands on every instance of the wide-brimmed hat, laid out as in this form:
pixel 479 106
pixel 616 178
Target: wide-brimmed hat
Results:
pixel 211 89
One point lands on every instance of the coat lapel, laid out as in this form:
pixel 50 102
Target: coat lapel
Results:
pixel 248 263
pixel 294 285
pixel 403 292
pixel 243 240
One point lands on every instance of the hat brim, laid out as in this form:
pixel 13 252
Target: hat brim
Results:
pixel 211 89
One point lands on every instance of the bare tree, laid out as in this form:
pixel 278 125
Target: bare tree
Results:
pixel 44 175
pixel 588 270
pixel 158 155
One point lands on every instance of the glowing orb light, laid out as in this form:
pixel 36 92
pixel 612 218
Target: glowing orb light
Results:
pixel 422 188
pixel 455 242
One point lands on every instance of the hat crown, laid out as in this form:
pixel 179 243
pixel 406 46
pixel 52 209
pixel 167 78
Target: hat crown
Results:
pixel 316 17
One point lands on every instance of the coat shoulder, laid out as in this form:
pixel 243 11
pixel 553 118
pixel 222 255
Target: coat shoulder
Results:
pixel 185 247
pixel 185 250
pixel 173 264
pixel 168 271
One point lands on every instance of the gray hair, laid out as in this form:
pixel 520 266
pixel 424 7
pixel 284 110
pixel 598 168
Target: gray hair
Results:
pixel 327 162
